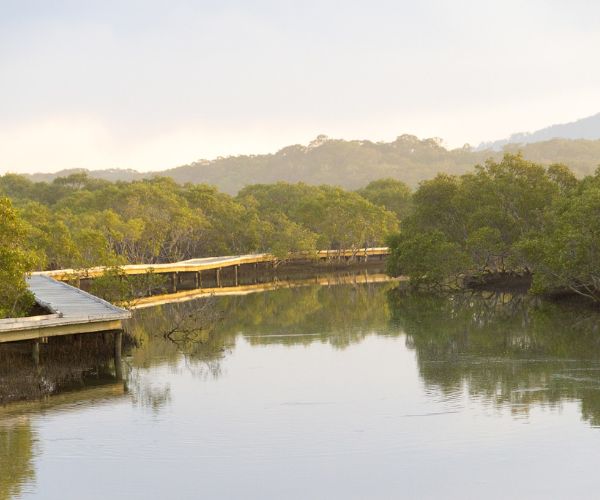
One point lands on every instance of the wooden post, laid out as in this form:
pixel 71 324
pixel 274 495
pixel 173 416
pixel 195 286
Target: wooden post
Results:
pixel 236 274
pixel 197 279
pixel 174 277
pixel 35 352
pixel 118 349
pixel 219 277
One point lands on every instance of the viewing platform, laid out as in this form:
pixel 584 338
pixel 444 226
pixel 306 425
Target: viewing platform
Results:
pixel 71 310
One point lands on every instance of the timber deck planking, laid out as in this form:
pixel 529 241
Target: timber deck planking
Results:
pixel 72 311
pixel 75 311
pixel 211 263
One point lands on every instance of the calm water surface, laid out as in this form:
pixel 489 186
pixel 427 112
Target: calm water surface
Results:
pixel 324 392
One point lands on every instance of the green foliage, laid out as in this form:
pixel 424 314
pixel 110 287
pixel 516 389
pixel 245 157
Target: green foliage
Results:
pixel 120 288
pixel 511 216
pixel 78 222
pixel 15 263
pixel 331 217
pixel 391 194
pixel 508 215
pixel 427 258
pixel 353 164
pixel 566 256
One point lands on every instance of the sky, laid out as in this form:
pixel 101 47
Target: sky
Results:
pixel 152 84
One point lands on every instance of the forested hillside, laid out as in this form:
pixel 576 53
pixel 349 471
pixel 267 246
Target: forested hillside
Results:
pixel 585 128
pixel 510 217
pixel 353 164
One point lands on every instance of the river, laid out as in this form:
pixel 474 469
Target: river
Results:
pixel 317 392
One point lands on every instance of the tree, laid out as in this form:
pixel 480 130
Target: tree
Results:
pixel 565 257
pixel 391 194
pixel 478 219
pixel 427 258
pixel 15 263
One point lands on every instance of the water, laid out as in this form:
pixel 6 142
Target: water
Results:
pixel 321 392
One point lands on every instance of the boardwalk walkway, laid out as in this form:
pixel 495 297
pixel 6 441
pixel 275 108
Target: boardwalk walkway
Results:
pixel 73 311
pixel 209 263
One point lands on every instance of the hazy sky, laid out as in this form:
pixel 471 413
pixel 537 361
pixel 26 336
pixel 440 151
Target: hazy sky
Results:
pixel 153 84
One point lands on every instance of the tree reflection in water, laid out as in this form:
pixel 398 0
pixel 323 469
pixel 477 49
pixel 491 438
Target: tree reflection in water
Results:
pixel 17 445
pixel 507 350
pixel 71 371
pixel 338 315
pixel 66 364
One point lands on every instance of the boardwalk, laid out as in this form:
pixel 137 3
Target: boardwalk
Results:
pixel 213 263
pixel 72 311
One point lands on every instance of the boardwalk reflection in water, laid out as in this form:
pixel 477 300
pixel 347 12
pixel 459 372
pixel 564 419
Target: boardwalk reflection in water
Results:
pixel 250 384
pixel 71 371
pixel 510 349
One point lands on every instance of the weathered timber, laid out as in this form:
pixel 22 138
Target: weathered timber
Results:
pixel 72 311
pixel 213 263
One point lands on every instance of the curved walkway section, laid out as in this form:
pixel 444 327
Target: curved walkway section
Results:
pixel 207 263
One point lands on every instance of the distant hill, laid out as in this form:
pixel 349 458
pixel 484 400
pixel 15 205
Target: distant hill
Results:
pixel 110 174
pixel 353 164
pixel 586 128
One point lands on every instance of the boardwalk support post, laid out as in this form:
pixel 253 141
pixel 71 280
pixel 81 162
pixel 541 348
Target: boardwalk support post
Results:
pixel 35 352
pixel 118 349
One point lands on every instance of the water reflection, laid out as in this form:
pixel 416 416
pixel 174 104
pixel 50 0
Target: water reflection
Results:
pixel 338 315
pixel 17 443
pixel 71 371
pixel 506 349
pixel 65 364
pixel 499 352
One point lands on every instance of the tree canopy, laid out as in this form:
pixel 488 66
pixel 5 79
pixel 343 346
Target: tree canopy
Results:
pixel 512 216
pixel 15 262
pixel 353 164
pixel 81 222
